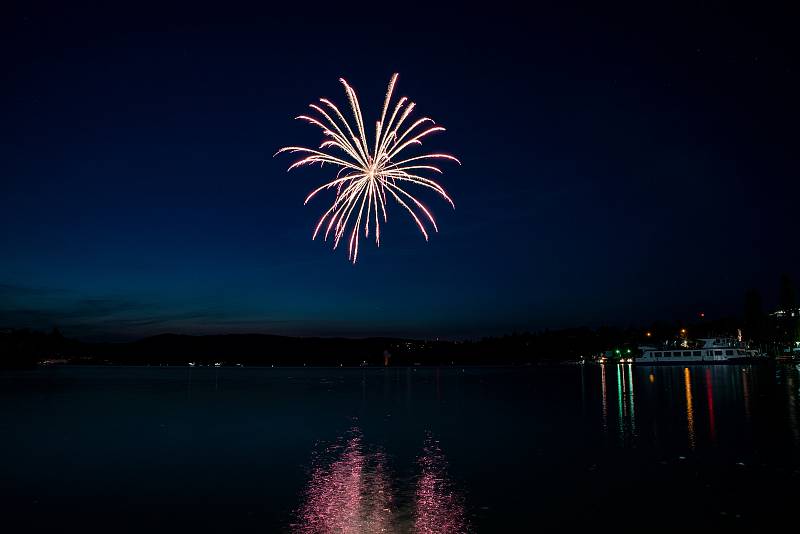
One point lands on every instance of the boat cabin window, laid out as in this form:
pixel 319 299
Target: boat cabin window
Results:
pixel 667 354
pixel 717 353
pixel 687 353
pixel 695 353
pixel 657 354
pixel 729 352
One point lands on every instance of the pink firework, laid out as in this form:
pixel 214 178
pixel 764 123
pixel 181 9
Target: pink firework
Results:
pixel 370 174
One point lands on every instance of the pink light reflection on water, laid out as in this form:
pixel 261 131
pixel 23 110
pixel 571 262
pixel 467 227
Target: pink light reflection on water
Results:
pixel 350 491
pixel 350 495
pixel 439 508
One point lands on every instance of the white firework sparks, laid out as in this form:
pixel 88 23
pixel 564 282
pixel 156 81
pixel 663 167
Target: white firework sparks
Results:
pixel 370 173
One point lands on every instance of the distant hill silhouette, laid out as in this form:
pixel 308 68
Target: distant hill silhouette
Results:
pixel 25 347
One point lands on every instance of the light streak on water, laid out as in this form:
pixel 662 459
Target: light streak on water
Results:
pixel 631 400
pixel 620 420
pixel 687 382
pixel 712 429
pixel 625 401
pixel 605 401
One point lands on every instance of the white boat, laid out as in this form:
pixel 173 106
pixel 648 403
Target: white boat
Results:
pixel 706 350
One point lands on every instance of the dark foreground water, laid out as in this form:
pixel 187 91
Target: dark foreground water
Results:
pixel 400 450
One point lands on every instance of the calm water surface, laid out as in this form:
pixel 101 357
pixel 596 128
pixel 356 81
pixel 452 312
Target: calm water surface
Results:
pixel 399 449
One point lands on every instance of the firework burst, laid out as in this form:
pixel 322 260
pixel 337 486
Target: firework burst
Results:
pixel 370 174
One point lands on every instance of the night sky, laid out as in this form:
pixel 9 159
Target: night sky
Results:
pixel 619 166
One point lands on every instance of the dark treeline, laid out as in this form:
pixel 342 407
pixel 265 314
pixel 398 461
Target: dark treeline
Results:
pixel 27 348
pixel 776 333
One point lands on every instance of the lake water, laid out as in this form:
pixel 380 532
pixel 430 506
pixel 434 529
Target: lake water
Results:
pixel 400 449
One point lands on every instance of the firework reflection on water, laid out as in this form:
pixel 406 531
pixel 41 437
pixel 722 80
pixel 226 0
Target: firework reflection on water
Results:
pixel 351 490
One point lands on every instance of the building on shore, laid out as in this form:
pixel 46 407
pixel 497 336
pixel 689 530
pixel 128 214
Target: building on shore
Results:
pixel 785 330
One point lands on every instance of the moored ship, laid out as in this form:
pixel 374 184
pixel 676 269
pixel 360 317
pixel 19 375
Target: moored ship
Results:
pixel 706 350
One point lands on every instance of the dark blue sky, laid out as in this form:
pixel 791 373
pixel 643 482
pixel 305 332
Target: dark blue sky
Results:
pixel 619 166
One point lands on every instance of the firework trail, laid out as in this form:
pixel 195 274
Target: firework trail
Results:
pixel 370 174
